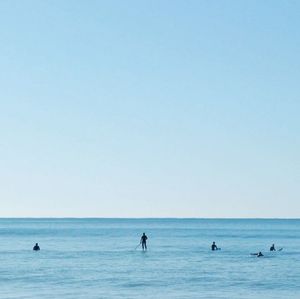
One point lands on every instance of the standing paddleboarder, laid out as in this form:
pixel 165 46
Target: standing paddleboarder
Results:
pixel 143 241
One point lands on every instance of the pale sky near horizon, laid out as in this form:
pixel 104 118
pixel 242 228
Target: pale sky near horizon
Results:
pixel 149 108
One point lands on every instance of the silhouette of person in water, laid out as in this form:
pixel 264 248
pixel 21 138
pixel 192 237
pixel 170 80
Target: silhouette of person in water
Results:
pixel 259 254
pixel 143 241
pixel 272 248
pixel 36 247
pixel 214 246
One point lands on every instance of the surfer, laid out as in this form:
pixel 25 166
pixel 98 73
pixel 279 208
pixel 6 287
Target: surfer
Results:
pixel 214 246
pixel 143 241
pixel 36 247
pixel 259 254
pixel 272 248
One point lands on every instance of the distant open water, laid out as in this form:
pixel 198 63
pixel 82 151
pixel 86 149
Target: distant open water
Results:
pixel 95 258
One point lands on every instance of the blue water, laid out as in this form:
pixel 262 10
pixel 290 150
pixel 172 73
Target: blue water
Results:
pixel 95 258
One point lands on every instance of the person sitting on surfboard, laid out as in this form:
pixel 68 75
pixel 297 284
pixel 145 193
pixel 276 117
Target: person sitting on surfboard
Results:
pixel 272 248
pixel 214 246
pixel 36 247
pixel 143 241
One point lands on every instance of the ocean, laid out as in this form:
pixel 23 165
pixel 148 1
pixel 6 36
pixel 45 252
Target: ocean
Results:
pixel 98 258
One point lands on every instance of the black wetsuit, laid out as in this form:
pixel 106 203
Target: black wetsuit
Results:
pixel 36 247
pixel 272 248
pixel 144 239
pixel 214 247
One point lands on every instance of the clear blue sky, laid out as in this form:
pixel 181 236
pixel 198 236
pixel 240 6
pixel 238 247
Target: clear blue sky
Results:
pixel 150 108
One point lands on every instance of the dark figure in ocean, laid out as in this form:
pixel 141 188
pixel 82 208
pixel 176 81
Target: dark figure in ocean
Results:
pixel 143 241
pixel 36 247
pixel 272 248
pixel 259 254
pixel 214 246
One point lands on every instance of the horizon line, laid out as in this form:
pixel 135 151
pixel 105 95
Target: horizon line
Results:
pixel 158 218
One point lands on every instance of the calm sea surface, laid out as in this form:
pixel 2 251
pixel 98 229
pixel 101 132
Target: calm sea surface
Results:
pixel 96 258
